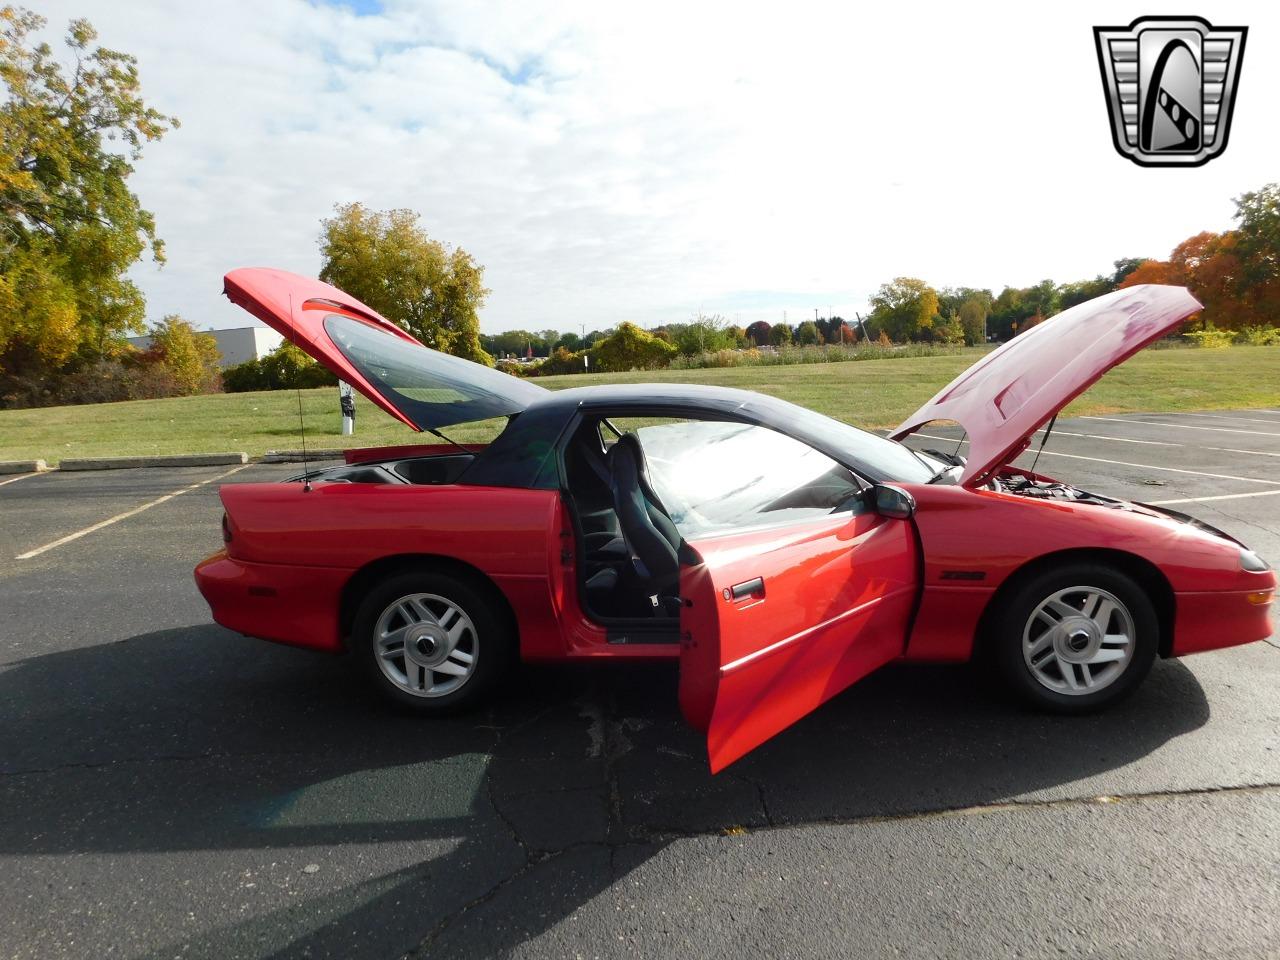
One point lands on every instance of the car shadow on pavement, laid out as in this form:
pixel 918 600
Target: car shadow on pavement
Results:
pixel 506 820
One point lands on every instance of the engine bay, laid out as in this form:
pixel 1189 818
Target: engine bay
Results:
pixel 1022 485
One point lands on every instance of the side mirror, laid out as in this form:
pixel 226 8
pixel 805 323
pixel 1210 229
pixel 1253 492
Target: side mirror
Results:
pixel 894 502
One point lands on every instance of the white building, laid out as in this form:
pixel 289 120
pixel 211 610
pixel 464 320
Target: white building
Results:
pixel 236 345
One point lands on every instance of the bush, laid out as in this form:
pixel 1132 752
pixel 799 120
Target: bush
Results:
pixel 630 348
pixel 1262 336
pixel 285 368
pixel 1210 338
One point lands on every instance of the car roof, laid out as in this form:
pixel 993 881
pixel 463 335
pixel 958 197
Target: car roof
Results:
pixel 653 394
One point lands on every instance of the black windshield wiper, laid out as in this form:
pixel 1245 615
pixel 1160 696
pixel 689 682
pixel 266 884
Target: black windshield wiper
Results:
pixel 944 471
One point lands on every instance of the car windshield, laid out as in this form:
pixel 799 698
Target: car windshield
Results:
pixel 431 388
pixel 884 459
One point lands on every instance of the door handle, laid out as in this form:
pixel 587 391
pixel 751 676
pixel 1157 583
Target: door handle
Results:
pixel 748 588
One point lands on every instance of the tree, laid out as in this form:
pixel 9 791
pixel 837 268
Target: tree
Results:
pixel 630 348
pixel 1259 235
pixel 69 225
pixel 385 259
pixel 780 335
pixel 904 308
pixel 190 357
pixel 807 334
pixel 972 314
pixel 758 333
pixel 703 333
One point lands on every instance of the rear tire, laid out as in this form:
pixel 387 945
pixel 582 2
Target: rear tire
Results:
pixel 432 642
pixel 1074 639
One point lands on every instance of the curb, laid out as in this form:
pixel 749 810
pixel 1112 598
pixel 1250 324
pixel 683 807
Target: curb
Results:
pixel 181 460
pixel 22 466
pixel 295 456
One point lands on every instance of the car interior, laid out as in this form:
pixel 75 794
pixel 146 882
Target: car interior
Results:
pixel 630 550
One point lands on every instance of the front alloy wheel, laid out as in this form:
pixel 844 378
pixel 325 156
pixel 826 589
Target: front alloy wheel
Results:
pixel 1074 639
pixel 1078 641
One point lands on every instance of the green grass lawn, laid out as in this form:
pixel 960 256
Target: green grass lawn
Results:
pixel 872 393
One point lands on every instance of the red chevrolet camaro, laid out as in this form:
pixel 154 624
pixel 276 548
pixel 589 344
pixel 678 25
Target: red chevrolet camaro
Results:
pixel 778 554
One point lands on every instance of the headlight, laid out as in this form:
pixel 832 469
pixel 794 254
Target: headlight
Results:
pixel 1252 562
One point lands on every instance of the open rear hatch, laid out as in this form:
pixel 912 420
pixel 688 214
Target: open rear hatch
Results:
pixel 1010 393
pixel 421 387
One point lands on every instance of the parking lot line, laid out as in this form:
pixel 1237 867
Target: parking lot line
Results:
pixel 1216 416
pixel 1187 426
pixel 1125 463
pixel 21 476
pixel 1220 496
pixel 126 515
pixel 1098 436
pixel 1160 443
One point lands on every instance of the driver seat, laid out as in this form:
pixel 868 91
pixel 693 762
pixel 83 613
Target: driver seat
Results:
pixel 651 538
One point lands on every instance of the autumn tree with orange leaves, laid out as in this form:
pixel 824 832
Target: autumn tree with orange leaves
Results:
pixel 1235 274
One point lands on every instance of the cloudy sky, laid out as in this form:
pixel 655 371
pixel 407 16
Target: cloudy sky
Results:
pixel 610 161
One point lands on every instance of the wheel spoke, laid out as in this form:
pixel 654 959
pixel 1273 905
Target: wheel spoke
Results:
pixel 1107 655
pixel 421 612
pixel 1115 640
pixel 1101 614
pixel 394 637
pixel 461 656
pixel 1060 608
pixel 451 668
pixel 391 651
pixel 1087 674
pixel 413 672
pixel 1068 673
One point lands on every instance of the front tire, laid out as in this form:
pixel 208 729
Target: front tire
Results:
pixel 1075 639
pixel 431 642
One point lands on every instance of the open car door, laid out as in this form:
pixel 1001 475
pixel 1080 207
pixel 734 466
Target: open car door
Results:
pixel 776 621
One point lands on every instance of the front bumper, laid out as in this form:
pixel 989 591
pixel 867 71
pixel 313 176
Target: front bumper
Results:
pixel 1226 618
pixel 285 604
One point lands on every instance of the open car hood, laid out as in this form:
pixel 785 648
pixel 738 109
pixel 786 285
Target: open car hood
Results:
pixel 421 387
pixel 1013 391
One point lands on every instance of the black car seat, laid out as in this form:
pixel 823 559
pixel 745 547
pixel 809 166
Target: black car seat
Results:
pixel 651 537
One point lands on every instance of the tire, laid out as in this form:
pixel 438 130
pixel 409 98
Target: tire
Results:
pixel 1080 663
pixel 454 645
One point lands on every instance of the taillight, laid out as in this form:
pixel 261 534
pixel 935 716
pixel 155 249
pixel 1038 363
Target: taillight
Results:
pixel 226 529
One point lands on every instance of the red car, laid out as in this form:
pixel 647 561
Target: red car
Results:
pixel 780 555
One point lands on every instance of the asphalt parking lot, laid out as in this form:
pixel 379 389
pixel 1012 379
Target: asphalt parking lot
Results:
pixel 171 789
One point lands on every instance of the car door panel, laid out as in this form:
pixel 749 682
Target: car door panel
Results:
pixel 778 621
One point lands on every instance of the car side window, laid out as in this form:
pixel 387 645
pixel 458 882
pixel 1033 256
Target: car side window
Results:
pixel 717 476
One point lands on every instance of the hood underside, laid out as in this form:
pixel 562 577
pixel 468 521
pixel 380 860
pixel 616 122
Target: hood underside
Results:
pixel 1014 390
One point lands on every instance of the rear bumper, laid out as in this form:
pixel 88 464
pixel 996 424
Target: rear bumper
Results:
pixel 1210 621
pixel 285 604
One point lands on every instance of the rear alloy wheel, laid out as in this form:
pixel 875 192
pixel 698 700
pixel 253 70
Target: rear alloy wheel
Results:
pixel 1076 639
pixel 430 641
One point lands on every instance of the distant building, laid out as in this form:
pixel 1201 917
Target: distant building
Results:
pixel 236 345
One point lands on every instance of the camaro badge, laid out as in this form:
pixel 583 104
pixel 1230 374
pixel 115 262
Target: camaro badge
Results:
pixel 1170 84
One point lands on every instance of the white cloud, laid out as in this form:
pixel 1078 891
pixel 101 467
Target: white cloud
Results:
pixel 641 162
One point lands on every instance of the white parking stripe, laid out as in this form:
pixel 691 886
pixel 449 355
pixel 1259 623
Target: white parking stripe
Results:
pixel 1221 496
pixel 1161 443
pixel 1187 426
pixel 22 476
pixel 1098 436
pixel 1218 416
pixel 126 515
pixel 1140 466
